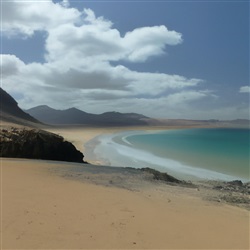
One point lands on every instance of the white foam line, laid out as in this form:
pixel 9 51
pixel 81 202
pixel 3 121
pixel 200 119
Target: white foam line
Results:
pixel 112 151
pixel 125 140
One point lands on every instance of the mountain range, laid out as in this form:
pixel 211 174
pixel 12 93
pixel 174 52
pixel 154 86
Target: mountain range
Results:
pixel 75 116
pixel 41 115
pixel 11 112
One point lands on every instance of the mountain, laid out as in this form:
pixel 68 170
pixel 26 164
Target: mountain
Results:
pixel 75 116
pixel 243 122
pixel 10 112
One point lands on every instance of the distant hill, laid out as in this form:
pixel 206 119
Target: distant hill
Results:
pixel 10 112
pixel 243 122
pixel 75 116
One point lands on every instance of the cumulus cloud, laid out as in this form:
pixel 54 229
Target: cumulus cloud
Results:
pixel 90 36
pixel 79 50
pixel 10 65
pixel 26 17
pixel 149 41
pixel 97 40
pixel 245 89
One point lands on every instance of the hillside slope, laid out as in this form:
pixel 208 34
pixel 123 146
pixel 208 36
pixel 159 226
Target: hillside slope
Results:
pixel 10 112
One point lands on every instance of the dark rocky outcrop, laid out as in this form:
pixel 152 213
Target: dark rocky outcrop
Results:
pixel 234 186
pixel 157 175
pixel 234 192
pixel 166 178
pixel 37 144
pixel 235 183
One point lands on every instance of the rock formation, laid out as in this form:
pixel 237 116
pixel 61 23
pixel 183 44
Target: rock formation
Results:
pixel 37 144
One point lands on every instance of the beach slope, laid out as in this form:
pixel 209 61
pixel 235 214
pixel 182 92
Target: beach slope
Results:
pixel 41 209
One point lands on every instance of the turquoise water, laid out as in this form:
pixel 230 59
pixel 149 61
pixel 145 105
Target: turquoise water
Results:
pixel 215 154
pixel 224 151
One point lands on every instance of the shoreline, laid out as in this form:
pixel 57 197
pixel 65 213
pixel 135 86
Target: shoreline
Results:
pixel 89 140
pixel 117 154
pixel 80 136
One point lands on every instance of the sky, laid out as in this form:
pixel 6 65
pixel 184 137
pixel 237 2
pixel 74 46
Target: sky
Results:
pixel 163 59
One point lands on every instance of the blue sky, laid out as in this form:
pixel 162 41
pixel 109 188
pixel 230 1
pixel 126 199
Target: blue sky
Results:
pixel 168 59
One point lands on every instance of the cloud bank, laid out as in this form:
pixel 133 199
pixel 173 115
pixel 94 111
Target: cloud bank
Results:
pixel 245 89
pixel 81 51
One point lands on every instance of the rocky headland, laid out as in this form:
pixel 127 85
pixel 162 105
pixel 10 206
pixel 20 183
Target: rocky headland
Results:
pixel 37 144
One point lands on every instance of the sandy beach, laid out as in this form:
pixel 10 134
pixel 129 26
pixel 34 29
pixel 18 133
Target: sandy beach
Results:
pixel 42 210
pixel 55 205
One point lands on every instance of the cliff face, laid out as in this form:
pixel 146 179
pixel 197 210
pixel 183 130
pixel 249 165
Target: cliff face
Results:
pixel 37 144
pixel 9 109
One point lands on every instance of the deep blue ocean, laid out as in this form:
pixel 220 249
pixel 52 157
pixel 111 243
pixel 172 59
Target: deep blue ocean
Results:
pixel 188 153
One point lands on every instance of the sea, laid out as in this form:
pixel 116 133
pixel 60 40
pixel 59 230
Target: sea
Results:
pixel 190 154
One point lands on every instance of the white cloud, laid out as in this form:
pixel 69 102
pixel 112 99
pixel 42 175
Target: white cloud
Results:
pixel 90 36
pixel 245 89
pixel 10 65
pixel 95 40
pixel 65 3
pixel 78 71
pixel 26 17
pixel 184 97
pixel 149 41
pixel 89 42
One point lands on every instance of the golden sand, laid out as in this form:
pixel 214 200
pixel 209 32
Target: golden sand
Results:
pixel 41 210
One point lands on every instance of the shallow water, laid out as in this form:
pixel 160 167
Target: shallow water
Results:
pixel 187 153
